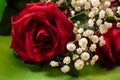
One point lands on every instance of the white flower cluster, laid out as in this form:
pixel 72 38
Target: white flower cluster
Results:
pixel 80 4
pixel 82 50
pixel 100 8
pixel 96 8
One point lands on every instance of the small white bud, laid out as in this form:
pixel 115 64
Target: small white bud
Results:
pixel 88 33
pixel 90 22
pixel 82 2
pixel 92 62
pixel 80 30
pixel 75 30
pixel 65 69
pixel 78 8
pixel 72 13
pixel 109 12
pixel 70 46
pixel 95 3
pixel 102 29
pixel 54 63
pixel 91 14
pixel 83 42
pixel 93 47
pixel 87 5
pixel 107 4
pixel 95 10
pixel 99 22
pixel 78 36
pixel 66 60
pixel 107 25
pixel 101 14
pixel 75 56
pixel 79 50
pixel 94 38
pixel 102 41
pixel 85 56
pixel 79 64
pixel 95 58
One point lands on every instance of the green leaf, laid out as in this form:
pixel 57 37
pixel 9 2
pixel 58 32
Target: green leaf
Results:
pixel 13 8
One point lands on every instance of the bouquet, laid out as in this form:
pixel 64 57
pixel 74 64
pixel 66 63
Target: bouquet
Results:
pixel 68 34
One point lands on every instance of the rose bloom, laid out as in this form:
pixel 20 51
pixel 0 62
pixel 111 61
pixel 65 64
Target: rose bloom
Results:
pixel 40 32
pixel 109 54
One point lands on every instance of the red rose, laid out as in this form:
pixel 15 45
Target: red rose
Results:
pixel 109 54
pixel 40 32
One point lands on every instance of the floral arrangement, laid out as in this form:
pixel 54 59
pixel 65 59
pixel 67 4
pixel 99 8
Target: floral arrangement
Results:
pixel 68 34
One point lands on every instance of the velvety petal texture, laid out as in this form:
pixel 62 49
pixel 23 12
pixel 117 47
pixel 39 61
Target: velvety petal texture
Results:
pixel 109 54
pixel 40 32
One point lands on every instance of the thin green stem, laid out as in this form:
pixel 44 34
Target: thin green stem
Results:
pixel 78 14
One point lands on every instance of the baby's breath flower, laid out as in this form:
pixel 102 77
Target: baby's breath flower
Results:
pixel 102 29
pixel 78 8
pixel 82 2
pixel 80 30
pixel 75 30
pixel 78 36
pixel 88 33
pixel 107 4
pixel 102 41
pixel 79 64
pixel 90 22
pixel 93 47
pixel 107 25
pixel 101 14
pixel 70 46
pixel 95 10
pixel 78 22
pixel 87 5
pixel 101 7
pixel 92 62
pixel 72 13
pixel 83 42
pixel 99 22
pixel 85 56
pixel 95 58
pixel 94 38
pixel 66 60
pixel 109 12
pixel 91 14
pixel 75 56
pixel 75 3
pixel 79 50
pixel 95 3
pixel 54 63
pixel 65 69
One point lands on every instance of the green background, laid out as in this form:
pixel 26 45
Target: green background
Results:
pixel 12 68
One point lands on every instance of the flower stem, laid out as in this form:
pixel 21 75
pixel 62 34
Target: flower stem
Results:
pixel 78 14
